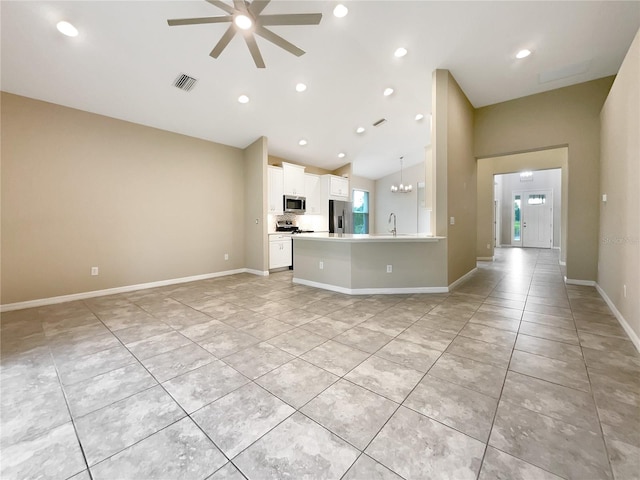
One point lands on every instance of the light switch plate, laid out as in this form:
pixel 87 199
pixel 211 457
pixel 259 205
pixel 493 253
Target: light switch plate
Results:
pixel 452 220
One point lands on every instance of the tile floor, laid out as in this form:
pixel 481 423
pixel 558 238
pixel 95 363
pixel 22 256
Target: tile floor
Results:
pixel 513 376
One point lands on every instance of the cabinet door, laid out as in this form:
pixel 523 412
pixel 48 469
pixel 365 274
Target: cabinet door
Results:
pixel 280 253
pixel 293 179
pixel 275 187
pixel 339 187
pixel 312 192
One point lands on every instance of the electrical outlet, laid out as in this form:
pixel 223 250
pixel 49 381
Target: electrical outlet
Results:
pixel 488 246
pixel 321 265
pixel 226 256
pixel 624 291
pixel 389 268
pixel 94 271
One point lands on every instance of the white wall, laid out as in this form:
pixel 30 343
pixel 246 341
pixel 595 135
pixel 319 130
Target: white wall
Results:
pixel 542 180
pixel 404 205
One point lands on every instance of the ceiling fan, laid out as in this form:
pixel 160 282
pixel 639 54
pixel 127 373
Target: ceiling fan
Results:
pixel 247 19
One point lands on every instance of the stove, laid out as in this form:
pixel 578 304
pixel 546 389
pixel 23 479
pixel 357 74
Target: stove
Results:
pixel 287 226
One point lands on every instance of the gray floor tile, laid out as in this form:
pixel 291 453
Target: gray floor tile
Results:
pixel 351 412
pixel 240 418
pixel 391 326
pixel 550 320
pixel 195 389
pixel 553 445
pixel 297 448
pixel 607 344
pixel 203 331
pixel 81 368
pixel 326 327
pixel 297 341
pixel 481 351
pixel 228 472
pixel 142 331
pixel 549 333
pixel 549 348
pixel 119 425
pixel 257 360
pixel 97 392
pixel 335 357
pixel 443 324
pixel 499 465
pixel 363 339
pixel 176 362
pixel 180 451
pixel 367 468
pixel 162 343
pixel 415 446
pixel 489 334
pixel 478 376
pixel 266 328
pixel 297 382
pixel 385 378
pixel 409 354
pixel 573 374
pixel 622 388
pixel 433 339
pixel 624 458
pixel 562 403
pixel 465 410
pixel 297 317
pixel 496 321
pixel 620 421
pixel 611 361
pixel 40 457
pixel 228 343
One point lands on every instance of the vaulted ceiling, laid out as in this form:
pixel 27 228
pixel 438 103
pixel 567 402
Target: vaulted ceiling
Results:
pixel 125 59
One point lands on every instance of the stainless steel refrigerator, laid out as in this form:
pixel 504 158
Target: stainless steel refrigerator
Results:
pixel 340 217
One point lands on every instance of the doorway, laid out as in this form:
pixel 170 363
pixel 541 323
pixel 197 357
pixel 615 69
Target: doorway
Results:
pixel 532 219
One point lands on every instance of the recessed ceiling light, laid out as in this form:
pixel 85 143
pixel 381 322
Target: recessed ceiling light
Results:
pixel 340 11
pixel 302 142
pixel 419 117
pixel 243 99
pixel 67 29
pixel 387 91
pixel 341 155
pixel 360 130
pixel 400 52
pixel 301 87
pixel 523 53
pixel 243 22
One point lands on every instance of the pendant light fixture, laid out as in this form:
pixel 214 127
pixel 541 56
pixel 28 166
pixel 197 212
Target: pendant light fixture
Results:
pixel 402 188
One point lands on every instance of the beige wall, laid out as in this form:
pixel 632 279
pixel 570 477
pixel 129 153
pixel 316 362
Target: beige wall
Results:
pixel 255 202
pixel 564 117
pixel 619 254
pixel 453 152
pixel 404 205
pixel 488 167
pixel 273 160
pixel 82 190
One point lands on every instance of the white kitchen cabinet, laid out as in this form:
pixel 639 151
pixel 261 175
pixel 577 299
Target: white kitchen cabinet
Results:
pixel 339 187
pixel 275 189
pixel 312 192
pixel 293 179
pixel 280 251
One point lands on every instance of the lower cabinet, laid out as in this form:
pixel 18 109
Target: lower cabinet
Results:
pixel 280 251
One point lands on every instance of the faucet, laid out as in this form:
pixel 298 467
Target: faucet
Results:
pixel 394 230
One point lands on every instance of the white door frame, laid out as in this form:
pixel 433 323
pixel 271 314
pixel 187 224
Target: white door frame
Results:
pixel 523 209
pixel 515 243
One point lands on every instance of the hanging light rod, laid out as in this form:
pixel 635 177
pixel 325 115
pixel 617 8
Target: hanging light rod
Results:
pixel 402 188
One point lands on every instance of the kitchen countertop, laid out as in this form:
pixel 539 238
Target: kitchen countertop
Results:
pixel 365 238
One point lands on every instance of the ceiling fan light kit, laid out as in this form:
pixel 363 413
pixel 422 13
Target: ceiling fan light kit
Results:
pixel 247 19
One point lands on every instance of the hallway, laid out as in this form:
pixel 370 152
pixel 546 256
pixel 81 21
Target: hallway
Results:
pixel 513 375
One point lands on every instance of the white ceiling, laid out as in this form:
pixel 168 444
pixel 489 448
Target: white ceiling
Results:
pixel 126 58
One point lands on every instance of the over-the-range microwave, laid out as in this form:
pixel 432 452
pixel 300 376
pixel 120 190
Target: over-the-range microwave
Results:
pixel 293 204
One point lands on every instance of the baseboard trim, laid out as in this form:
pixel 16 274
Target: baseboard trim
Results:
pixel 41 302
pixel 485 259
pixel 584 283
pixel 462 278
pixel 370 291
pixel 260 273
pixel 623 322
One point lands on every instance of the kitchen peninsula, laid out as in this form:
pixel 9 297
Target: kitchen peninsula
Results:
pixel 371 264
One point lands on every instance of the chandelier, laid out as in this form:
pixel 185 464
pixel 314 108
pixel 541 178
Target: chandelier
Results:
pixel 402 188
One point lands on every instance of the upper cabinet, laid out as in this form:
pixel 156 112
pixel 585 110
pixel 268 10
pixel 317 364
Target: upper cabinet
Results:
pixel 312 192
pixel 275 189
pixel 338 187
pixel 293 179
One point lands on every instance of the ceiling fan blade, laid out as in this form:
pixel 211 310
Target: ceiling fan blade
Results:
pixel 223 6
pixel 257 6
pixel 291 19
pixel 196 21
pixel 240 6
pixel 223 42
pixel 278 40
pixel 255 51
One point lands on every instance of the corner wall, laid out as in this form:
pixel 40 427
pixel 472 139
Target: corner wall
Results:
pixel 619 254
pixel 455 167
pixel 256 246
pixel 570 117
pixel 82 190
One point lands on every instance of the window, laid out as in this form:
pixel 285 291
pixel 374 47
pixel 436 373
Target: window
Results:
pixel 360 211
pixel 536 199
pixel 516 218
